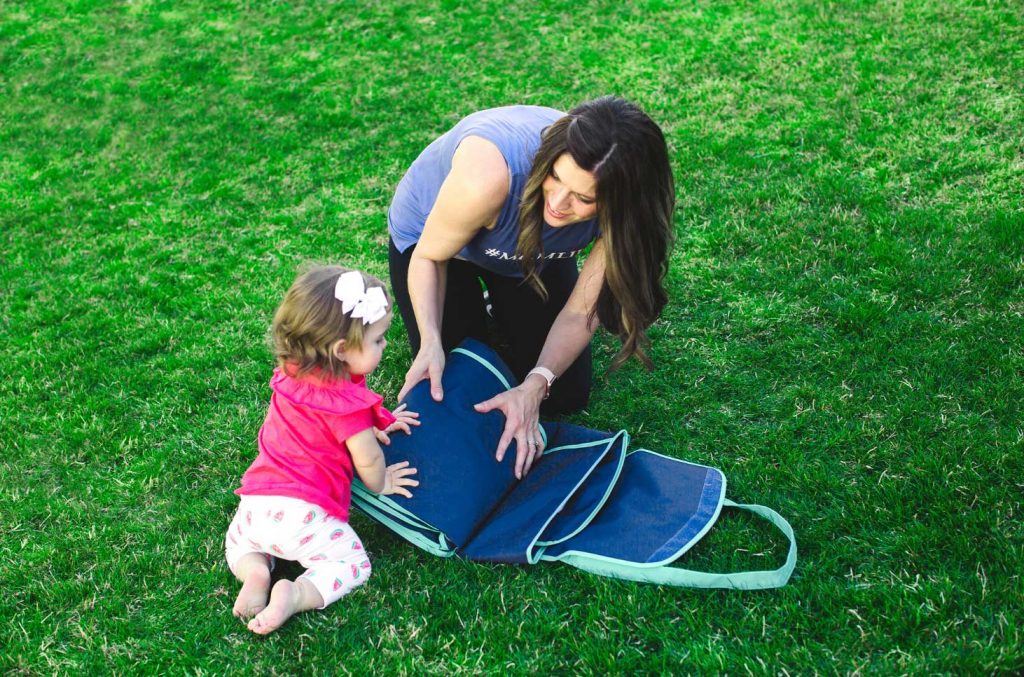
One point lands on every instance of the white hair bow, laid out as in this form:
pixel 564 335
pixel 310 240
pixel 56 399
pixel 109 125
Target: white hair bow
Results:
pixel 359 302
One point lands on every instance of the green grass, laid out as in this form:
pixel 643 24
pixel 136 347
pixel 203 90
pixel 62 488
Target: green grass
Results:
pixel 844 337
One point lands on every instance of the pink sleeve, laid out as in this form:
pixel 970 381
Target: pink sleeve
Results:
pixel 345 426
pixel 382 418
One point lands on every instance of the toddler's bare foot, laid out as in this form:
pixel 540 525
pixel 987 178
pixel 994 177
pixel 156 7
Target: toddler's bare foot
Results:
pixel 286 600
pixel 252 598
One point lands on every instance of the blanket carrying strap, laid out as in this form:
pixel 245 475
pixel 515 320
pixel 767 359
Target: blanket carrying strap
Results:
pixel 667 575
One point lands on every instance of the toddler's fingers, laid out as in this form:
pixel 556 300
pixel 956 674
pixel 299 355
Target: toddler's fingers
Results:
pixel 403 424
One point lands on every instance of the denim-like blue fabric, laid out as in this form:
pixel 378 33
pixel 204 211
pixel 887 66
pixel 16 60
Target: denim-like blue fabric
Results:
pixel 638 507
pixel 659 507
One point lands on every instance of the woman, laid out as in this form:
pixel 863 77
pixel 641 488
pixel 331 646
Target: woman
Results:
pixel 511 196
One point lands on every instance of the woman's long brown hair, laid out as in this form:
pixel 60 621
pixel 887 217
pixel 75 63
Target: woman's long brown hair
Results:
pixel 625 150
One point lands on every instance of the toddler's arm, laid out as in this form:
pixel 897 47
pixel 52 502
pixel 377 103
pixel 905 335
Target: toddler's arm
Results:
pixel 369 464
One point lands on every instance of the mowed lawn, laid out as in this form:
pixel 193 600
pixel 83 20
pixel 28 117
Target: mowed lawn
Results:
pixel 844 337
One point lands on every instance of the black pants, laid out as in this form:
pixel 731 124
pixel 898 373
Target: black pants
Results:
pixel 523 319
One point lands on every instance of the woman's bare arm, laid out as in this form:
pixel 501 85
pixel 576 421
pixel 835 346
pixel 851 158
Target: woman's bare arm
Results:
pixel 470 199
pixel 569 335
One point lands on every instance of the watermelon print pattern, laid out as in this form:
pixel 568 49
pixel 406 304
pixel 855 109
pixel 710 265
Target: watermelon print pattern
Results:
pixel 280 527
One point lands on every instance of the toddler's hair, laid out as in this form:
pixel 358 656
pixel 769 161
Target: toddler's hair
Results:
pixel 310 321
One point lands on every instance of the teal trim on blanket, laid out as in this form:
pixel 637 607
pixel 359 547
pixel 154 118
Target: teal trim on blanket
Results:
pixel 490 367
pixel 389 514
pixel 396 511
pixel 439 547
pixel 580 445
pixel 498 375
pixel 710 523
pixel 570 556
pixel 533 557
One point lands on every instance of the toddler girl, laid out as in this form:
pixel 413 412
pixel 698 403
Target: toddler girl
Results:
pixel 323 424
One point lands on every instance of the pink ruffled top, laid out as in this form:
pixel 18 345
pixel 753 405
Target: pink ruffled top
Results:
pixel 302 450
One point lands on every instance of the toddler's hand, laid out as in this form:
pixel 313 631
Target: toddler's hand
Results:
pixel 396 478
pixel 403 420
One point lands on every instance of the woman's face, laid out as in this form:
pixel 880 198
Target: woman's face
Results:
pixel 570 193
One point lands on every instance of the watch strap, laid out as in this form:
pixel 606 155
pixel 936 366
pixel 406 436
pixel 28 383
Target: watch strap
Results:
pixel 547 375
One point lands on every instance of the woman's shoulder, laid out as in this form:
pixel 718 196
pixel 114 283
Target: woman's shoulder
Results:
pixel 521 115
pixel 329 395
pixel 480 164
pixel 514 130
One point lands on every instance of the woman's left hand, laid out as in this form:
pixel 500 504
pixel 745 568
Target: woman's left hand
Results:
pixel 521 406
pixel 403 420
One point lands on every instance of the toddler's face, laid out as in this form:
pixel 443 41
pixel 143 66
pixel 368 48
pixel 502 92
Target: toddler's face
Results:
pixel 365 359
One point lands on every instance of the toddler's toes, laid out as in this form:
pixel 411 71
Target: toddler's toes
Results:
pixel 247 611
pixel 252 598
pixel 280 609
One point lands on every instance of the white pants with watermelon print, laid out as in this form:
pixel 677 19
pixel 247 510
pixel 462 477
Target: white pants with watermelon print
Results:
pixel 292 529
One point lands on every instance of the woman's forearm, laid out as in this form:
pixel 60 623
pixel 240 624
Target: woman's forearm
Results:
pixel 569 336
pixel 576 323
pixel 427 280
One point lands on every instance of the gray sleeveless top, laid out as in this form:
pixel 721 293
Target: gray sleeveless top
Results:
pixel 516 131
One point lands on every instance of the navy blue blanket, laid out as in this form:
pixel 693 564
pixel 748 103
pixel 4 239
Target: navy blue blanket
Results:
pixel 589 501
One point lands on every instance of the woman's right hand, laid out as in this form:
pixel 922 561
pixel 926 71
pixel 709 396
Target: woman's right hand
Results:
pixel 429 363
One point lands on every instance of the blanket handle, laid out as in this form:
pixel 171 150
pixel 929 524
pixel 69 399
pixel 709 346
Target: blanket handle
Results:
pixel 667 575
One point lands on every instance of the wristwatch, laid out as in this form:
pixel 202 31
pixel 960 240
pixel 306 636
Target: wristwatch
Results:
pixel 549 378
